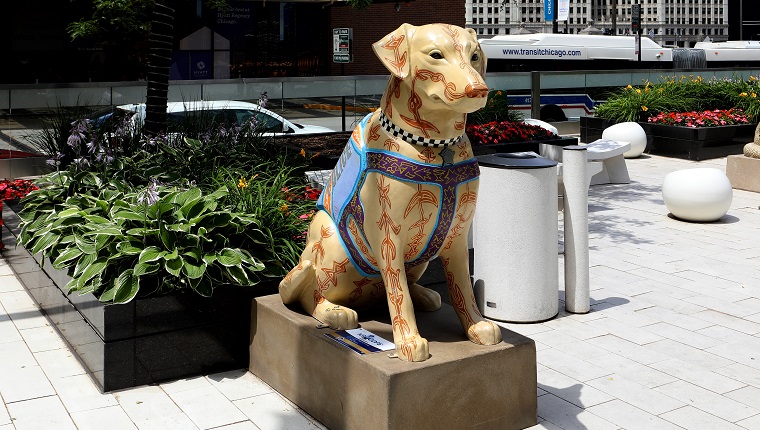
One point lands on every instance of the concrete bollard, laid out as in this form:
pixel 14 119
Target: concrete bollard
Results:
pixel 576 181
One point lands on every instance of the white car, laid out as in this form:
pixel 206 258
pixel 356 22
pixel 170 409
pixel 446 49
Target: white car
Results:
pixel 229 112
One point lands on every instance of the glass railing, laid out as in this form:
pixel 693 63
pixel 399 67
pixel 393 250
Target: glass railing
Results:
pixel 24 107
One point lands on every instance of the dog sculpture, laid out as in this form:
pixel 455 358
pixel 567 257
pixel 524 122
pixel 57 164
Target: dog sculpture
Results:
pixel 402 193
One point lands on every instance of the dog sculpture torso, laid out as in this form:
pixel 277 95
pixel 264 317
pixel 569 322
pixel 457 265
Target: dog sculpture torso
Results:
pixel 402 193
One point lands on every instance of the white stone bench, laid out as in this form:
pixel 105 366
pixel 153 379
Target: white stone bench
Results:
pixel 607 162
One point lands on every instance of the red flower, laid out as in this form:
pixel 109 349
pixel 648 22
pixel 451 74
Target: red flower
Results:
pixel 15 189
pixel 707 118
pixel 506 131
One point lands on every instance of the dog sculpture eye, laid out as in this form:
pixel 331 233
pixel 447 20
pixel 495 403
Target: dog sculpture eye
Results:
pixel 475 57
pixel 436 55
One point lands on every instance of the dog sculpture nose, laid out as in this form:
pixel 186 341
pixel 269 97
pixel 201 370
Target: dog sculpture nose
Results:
pixel 476 91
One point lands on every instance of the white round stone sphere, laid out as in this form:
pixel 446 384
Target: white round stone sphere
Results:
pixel 703 194
pixel 628 132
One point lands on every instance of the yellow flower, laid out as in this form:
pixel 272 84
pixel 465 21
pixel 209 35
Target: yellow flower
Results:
pixel 242 183
pixel 498 93
pixel 644 108
pixel 284 207
pixel 754 95
pixel 638 91
pixel 752 78
pixel 628 87
pixel 646 90
pixel 302 153
pixel 742 94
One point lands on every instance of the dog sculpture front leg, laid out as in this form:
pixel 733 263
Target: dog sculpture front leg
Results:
pixel 455 258
pixel 384 234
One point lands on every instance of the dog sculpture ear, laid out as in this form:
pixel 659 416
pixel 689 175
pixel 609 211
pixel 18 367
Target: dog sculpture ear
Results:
pixel 393 50
pixel 483 59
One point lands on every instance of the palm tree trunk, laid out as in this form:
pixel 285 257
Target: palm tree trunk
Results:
pixel 160 46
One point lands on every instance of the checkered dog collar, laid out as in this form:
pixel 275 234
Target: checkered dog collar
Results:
pixel 414 140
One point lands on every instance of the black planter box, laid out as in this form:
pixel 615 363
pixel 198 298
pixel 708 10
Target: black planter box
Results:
pixel 591 128
pixel 532 145
pixel 696 144
pixel 148 340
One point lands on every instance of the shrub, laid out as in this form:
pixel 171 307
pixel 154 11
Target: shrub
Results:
pixel 496 109
pixel 681 94
pixel 159 215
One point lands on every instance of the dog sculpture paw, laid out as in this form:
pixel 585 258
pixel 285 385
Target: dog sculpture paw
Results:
pixel 413 348
pixel 424 299
pixel 337 317
pixel 484 333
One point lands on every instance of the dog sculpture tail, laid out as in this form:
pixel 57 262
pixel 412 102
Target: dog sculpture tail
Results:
pixel 296 281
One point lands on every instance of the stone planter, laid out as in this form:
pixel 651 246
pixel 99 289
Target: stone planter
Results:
pixel 148 340
pixel 743 172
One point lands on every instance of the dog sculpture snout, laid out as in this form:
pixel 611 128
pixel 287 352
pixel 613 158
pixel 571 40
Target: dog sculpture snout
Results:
pixel 476 91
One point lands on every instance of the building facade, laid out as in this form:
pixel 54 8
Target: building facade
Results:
pixel 668 22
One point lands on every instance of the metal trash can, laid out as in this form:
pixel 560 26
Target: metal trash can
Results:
pixel 515 264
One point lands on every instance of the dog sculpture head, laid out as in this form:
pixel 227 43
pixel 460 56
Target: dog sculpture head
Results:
pixel 444 62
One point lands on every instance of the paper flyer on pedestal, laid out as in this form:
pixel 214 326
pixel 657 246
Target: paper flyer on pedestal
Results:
pixel 361 341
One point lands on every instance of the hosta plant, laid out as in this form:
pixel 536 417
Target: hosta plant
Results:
pixel 117 243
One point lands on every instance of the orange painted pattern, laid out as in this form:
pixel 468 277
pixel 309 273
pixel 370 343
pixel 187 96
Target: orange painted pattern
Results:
pixel 391 276
pixel 374 133
pixel 398 62
pixel 391 145
pixel 356 294
pixel 458 301
pixel 465 212
pixel 317 249
pixel 354 230
pixel 329 279
pixel 394 90
pixel 420 198
pixel 463 152
pixel 427 155
pixel 414 104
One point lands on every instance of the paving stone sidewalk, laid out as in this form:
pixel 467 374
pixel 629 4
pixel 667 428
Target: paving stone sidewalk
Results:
pixel 672 340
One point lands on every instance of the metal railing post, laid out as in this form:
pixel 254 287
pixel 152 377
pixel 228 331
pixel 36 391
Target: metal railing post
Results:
pixel 535 95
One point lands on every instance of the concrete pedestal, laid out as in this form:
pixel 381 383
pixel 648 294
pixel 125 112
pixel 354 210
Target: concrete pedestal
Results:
pixel 742 172
pixel 461 386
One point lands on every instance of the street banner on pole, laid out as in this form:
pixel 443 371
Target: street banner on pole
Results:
pixel 548 10
pixel 563 10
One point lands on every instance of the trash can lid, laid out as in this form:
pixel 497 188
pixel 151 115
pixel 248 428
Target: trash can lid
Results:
pixel 509 160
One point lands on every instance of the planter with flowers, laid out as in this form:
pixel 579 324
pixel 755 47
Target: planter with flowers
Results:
pixel 686 117
pixel 509 136
pixel 699 135
pixel 145 252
